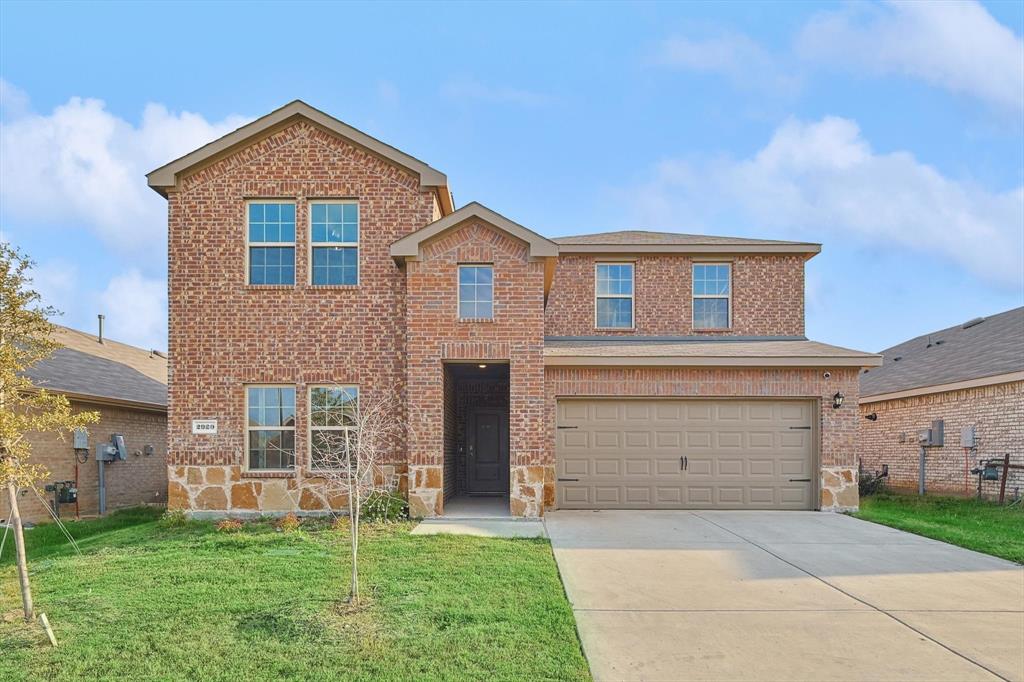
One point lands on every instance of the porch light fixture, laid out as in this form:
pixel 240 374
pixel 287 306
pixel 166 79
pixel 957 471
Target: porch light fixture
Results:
pixel 482 366
pixel 873 417
pixel 837 401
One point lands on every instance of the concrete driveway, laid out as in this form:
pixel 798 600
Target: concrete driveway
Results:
pixel 783 596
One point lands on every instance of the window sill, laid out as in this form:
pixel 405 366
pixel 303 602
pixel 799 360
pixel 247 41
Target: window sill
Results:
pixel 332 286
pixel 476 320
pixel 614 329
pixel 269 287
pixel 712 330
pixel 270 473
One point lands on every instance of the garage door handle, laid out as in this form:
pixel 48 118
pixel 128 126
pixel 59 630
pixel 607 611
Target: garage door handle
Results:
pixel 684 463
pixel 568 427
pixel 569 479
pixel 799 480
pixel 801 428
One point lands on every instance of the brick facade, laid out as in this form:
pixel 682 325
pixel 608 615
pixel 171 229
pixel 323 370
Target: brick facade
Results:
pixel 768 296
pixel 394 333
pixel 435 336
pixel 141 479
pixel 994 411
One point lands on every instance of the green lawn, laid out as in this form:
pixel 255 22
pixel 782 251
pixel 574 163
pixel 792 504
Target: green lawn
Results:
pixel 978 525
pixel 147 600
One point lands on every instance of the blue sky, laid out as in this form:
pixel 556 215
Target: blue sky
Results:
pixel 892 133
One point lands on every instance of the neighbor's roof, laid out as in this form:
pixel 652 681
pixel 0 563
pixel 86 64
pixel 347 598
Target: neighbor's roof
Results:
pixel 108 372
pixel 979 352
pixel 166 177
pixel 720 351
pixel 675 242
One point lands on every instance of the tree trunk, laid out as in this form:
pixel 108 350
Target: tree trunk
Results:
pixel 353 589
pixel 19 543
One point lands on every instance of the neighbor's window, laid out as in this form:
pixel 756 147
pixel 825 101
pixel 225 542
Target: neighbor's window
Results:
pixel 332 424
pixel 615 295
pixel 334 238
pixel 271 431
pixel 712 294
pixel 476 292
pixel 271 236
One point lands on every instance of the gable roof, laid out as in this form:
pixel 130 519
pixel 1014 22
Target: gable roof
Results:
pixel 643 241
pixel 986 349
pixel 409 245
pixel 164 178
pixel 108 372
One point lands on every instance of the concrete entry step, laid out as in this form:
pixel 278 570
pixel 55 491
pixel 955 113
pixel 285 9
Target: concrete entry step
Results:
pixel 509 527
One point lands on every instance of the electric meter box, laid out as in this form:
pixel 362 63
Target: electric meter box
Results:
pixel 80 439
pixel 968 439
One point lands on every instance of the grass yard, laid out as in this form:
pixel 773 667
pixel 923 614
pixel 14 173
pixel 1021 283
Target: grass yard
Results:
pixel 978 525
pixel 153 600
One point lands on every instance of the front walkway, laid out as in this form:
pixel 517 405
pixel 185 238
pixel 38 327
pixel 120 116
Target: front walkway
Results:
pixel 783 596
pixel 482 516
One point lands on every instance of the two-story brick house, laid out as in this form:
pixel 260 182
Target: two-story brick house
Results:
pixel 312 267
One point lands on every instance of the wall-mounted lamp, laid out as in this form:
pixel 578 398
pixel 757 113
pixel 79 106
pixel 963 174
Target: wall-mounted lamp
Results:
pixel 482 366
pixel 873 417
pixel 837 401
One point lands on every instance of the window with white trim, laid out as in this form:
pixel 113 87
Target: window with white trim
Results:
pixel 712 295
pixel 333 424
pixel 270 235
pixel 334 240
pixel 270 433
pixel 614 291
pixel 476 292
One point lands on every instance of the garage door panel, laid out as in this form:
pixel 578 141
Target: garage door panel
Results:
pixel 740 454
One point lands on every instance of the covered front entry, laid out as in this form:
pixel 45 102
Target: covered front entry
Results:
pixel 614 453
pixel 476 435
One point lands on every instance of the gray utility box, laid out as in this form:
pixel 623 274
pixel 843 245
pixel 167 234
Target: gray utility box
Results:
pixel 80 439
pixel 968 438
pixel 932 437
pixel 113 451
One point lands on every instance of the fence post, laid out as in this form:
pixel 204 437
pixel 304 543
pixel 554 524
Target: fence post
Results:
pixel 1002 483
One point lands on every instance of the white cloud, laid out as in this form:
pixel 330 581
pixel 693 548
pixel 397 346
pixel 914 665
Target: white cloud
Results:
pixel 470 89
pixel 733 55
pixel 83 165
pixel 135 307
pixel 815 178
pixel 955 45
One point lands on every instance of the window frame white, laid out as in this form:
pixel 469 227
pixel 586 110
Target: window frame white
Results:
pixel 631 296
pixel 458 293
pixel 694 296
pixel 250 244
pixel 309 420
pixel 313 245
pixel 293 428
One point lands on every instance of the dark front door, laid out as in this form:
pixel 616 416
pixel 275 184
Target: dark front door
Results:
pixel 487 464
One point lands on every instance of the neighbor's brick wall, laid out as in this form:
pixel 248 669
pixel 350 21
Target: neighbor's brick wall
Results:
pixel 997 412
pixel 838 428
pixel 436 335
pixel 225 334
pixel 767 296
pixel 142 479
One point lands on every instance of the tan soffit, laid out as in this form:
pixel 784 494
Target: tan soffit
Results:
pixel 942 388
pixel 166 177
pixel 409 246
pixel 618 353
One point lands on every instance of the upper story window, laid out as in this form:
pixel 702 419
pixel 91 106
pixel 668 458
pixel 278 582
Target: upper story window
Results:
pixel 270 435
pixel 476 292
pixel 334 240
pixel 332 425
pixel 271 237
pixel 712 295
pixel 614 295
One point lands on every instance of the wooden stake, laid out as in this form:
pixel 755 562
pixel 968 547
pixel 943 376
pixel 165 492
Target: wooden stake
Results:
pixel 19 544
pixel 1002 484
pixel 49 631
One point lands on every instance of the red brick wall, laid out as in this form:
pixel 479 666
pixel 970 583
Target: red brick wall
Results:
pixel 225 333
pixel 997 413
pixel 767 296
pixel 142 479
pixel 436 335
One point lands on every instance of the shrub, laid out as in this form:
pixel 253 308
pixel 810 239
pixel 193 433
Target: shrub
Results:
pixel 870 484
pixel 380 506
pixel 289 522
pixel 229 526
pixel 174 518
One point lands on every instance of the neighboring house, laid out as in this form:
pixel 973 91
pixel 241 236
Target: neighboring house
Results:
pixel 970 375
pixel 312 267
pixel 128 387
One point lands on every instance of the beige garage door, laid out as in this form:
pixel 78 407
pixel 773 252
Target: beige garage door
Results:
pixel 685 454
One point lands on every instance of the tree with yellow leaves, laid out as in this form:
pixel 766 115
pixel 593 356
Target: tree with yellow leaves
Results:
pixel 26 337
